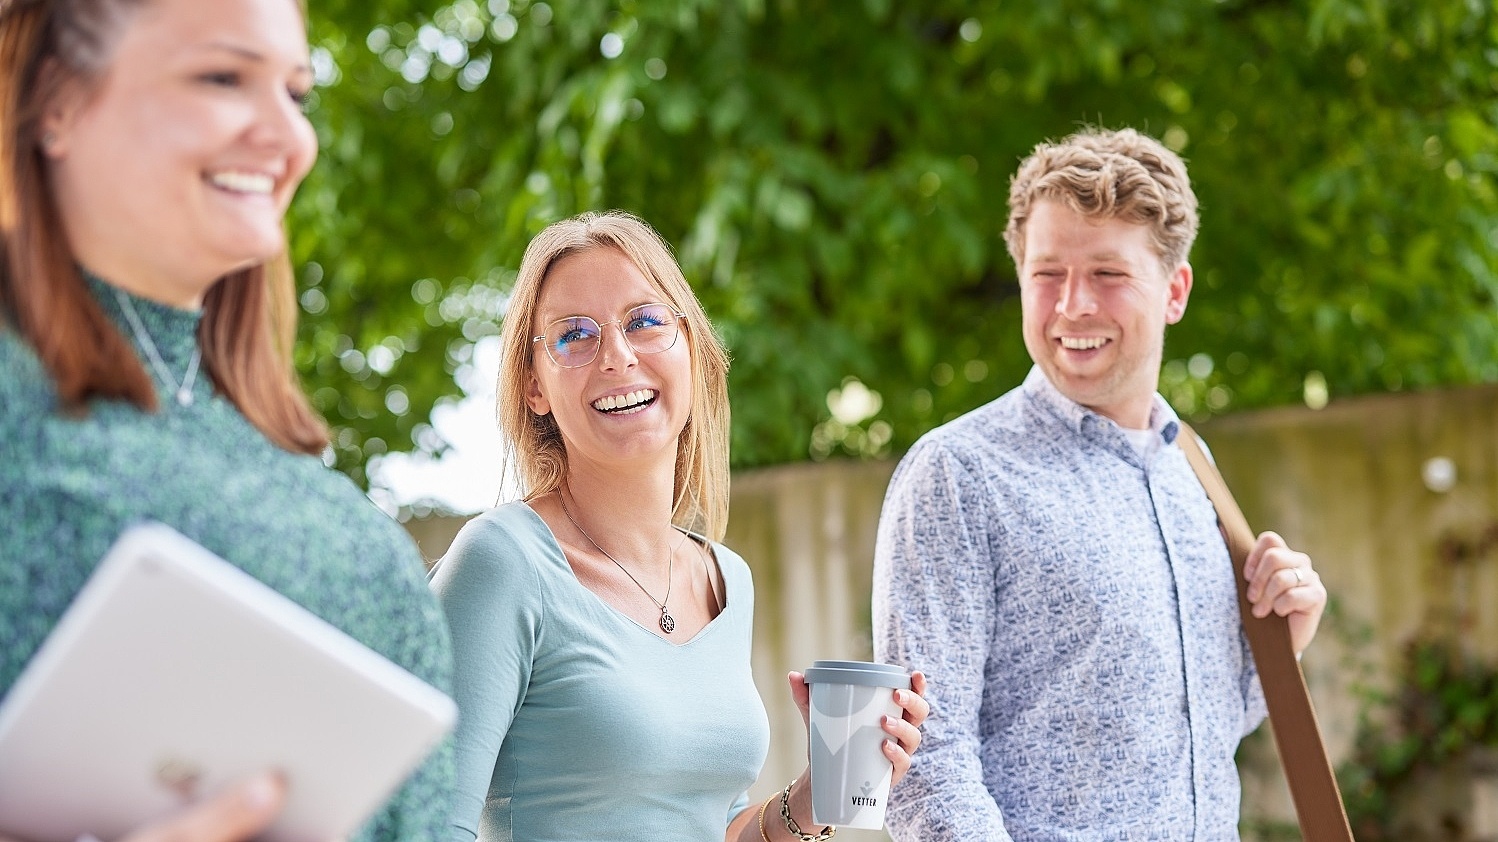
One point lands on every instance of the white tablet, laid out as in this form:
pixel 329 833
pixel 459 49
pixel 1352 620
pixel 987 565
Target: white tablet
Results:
pixel 174 673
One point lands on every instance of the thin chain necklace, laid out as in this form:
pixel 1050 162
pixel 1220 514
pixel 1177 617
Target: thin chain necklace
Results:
pixel 143 338
pixel 667 622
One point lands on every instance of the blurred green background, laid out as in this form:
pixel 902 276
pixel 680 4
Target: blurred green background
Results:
pixel 834 175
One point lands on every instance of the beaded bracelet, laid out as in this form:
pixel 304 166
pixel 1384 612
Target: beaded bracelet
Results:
pixel 762 808
pixel 795 829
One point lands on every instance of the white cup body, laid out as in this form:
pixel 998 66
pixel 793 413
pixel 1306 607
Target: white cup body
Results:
pixel 850 776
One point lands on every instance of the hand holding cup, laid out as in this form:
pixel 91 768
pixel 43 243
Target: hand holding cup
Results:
pixel 863 723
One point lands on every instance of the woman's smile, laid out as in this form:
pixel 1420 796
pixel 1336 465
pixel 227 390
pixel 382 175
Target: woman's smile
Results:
pixel 626 403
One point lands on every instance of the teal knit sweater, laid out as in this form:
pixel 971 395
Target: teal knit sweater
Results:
pixel 70 485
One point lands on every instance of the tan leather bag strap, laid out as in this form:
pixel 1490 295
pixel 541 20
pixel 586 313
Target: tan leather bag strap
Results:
pixel 1313 786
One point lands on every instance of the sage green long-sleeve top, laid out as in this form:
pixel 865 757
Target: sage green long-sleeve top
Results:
pixel 70 485
pixel 577 724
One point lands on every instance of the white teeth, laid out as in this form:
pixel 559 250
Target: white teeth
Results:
pixel 633 399
pixel 243 182
pixel 1082 343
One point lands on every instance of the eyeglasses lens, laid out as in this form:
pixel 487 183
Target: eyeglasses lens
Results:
pixel 574 341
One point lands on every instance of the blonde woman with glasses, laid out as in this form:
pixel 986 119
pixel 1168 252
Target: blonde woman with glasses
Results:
pixel 601 631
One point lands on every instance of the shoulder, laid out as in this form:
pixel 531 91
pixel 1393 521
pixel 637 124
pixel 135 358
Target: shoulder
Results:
pixel 512 526
pixel 1009 432
pixel 26 390
pixel 733 566
pixel 738 586
pixel 1000 422
pixel 1007 416
pixel 958 447
pixel 504 544
pixel 41 450
pixel 498 578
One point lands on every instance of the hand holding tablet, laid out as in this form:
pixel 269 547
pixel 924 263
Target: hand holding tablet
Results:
pixel 174 675
pixel 239 813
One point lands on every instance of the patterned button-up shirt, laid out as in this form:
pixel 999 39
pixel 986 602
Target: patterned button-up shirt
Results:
pixel 1075 607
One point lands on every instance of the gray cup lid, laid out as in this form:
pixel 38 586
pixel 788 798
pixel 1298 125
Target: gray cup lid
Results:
pixel 862 673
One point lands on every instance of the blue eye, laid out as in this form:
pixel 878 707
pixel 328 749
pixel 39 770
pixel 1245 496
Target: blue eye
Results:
pixel 647 317
pixel 574 341
pixel 643 322
pixel 650 328
pixel 569 334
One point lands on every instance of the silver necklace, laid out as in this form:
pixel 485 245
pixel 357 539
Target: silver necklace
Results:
pixel 667 622
pixel 183 390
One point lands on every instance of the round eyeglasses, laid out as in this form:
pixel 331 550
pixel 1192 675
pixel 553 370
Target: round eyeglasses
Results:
pixel 573 341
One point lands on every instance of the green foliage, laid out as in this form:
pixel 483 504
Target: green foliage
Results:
pixel 834 174
pixel 1446 704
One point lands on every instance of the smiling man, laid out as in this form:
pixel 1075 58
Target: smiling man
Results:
pixel 1052 560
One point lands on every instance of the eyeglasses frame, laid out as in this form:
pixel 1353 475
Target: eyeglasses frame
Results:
pixel 678 314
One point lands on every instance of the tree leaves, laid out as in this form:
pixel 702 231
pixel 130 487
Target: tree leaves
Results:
pixel 833 176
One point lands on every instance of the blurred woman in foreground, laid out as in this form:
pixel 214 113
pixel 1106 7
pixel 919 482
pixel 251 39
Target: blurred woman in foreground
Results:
pixel 150 150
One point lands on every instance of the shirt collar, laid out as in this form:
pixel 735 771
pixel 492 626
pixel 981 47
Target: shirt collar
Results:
pixel 1163 419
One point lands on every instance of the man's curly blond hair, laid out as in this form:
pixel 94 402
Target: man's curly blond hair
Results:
pixel 1103 174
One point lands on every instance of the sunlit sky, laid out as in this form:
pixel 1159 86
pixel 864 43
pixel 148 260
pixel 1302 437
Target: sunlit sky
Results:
pixel 466 478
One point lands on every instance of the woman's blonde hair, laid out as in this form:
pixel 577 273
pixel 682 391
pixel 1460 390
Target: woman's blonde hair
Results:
pixel 534 444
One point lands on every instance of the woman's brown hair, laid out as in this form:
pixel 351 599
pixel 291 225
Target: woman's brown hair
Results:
pixel 249 316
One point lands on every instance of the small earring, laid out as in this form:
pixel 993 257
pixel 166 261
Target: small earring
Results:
pixel 48 140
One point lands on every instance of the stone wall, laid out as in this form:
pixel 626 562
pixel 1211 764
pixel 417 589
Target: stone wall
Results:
pixel 1396 499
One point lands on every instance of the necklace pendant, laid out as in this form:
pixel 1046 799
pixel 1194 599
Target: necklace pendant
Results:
pixel 184 397
pixel 668 622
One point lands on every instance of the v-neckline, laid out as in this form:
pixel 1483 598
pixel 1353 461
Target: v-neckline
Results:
pixel 612 609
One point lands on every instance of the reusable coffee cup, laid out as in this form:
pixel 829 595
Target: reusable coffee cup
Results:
pixel 850 776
